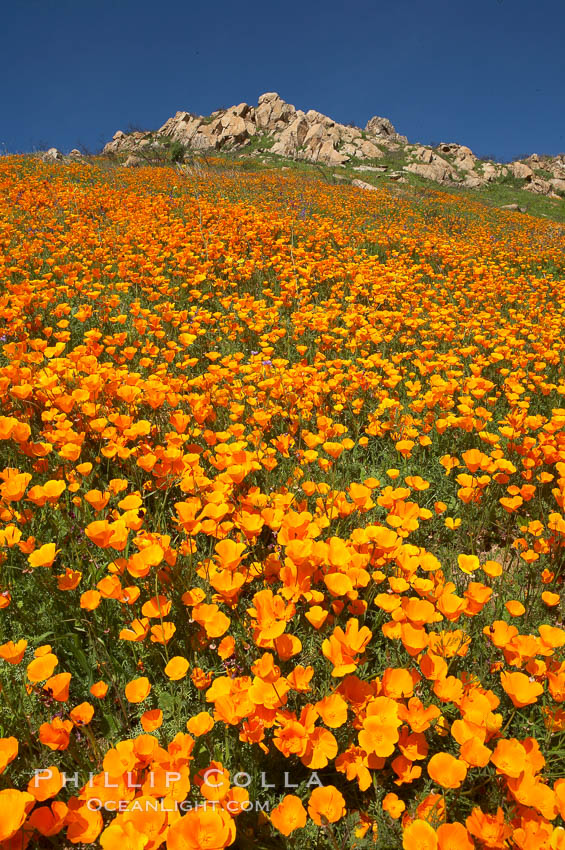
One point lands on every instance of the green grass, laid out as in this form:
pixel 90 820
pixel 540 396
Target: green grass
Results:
pixel 501 193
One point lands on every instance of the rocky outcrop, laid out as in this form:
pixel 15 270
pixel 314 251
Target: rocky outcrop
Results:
pixel 490 172
pixel 292 138
pixel 473 181
pixel 538 185
pixel 461 156
pixel 272 112
pixel 521 170
pixel 554 164
pixel 383 128
pixel 429 171
pixel 134 161
pixel 361 184
pixel 541 175
pixel 276 127
pixel 52 155
pixel 431 166
pixel 284 130
pixel 558 185
pixel 380 168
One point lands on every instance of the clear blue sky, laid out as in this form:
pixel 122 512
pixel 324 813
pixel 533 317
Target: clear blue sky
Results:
pixel 488 73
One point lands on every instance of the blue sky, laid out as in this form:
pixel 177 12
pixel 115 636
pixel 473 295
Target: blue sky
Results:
pixel 488 73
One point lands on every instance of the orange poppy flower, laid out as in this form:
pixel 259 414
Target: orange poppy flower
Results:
pixel 475 753
pixel 405 770
pixel 163 633
pixel 138 630
pixel 515 608
pixel 84 824
pixel 379 734
pixel 446 770
pixel 13 489
pixel 82 714
pixel 468 563
pixel 551 636
pixel 214 621
pixel 202 829
pixel 177 668
pixel 139 564
pixel 200 679
pixel 299 678
pixel 157 607
pixel 100 532
pixel 316 616
pixel 49 820
pixel 56 735
pixel 151 720
pixel 42 668
pixel 521 690
pixel 213 781
pixel 90 600
pixel 328 802
pixel 287 646
pixel 69 580
pixel 489 829
pixel 230 554
pixel 321 749
pixel 509 757
pixel 332 710
pixel 13 652
pixel 200 724
pixel 226 647
pixel 419 835
pixel 10 536
pixel 44 556
pixel 123 834
pixel 8 752
pixel 405 447
pixel 393 805
pixel 99 690
pixel 289 815
pixel 492 568
pixel 138 689
pixel 397 683
pixel 550 599
pixel 14 807
pixel 342 647
pixel 454 836
pixel 46 784
pixel 58 686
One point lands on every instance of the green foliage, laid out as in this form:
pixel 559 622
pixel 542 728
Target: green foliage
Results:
pixel 177 152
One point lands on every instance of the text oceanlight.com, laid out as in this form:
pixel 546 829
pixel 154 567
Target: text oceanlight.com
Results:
pixel 95 804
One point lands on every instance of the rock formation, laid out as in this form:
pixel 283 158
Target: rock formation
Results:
pixel 275 127
pixel 285 130
pixel 52 155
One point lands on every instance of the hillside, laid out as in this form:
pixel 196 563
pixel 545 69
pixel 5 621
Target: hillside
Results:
pixel 282 507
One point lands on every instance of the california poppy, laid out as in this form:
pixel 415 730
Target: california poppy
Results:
pixel 326 802
pixel 289 815
pixel 138 689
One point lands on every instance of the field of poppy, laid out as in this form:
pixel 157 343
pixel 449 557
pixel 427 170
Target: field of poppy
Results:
pixel 282 514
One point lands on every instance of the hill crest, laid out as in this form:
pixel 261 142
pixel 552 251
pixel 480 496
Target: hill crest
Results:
pixel 276 128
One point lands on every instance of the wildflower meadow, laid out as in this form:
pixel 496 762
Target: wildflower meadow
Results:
pixel 282 514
